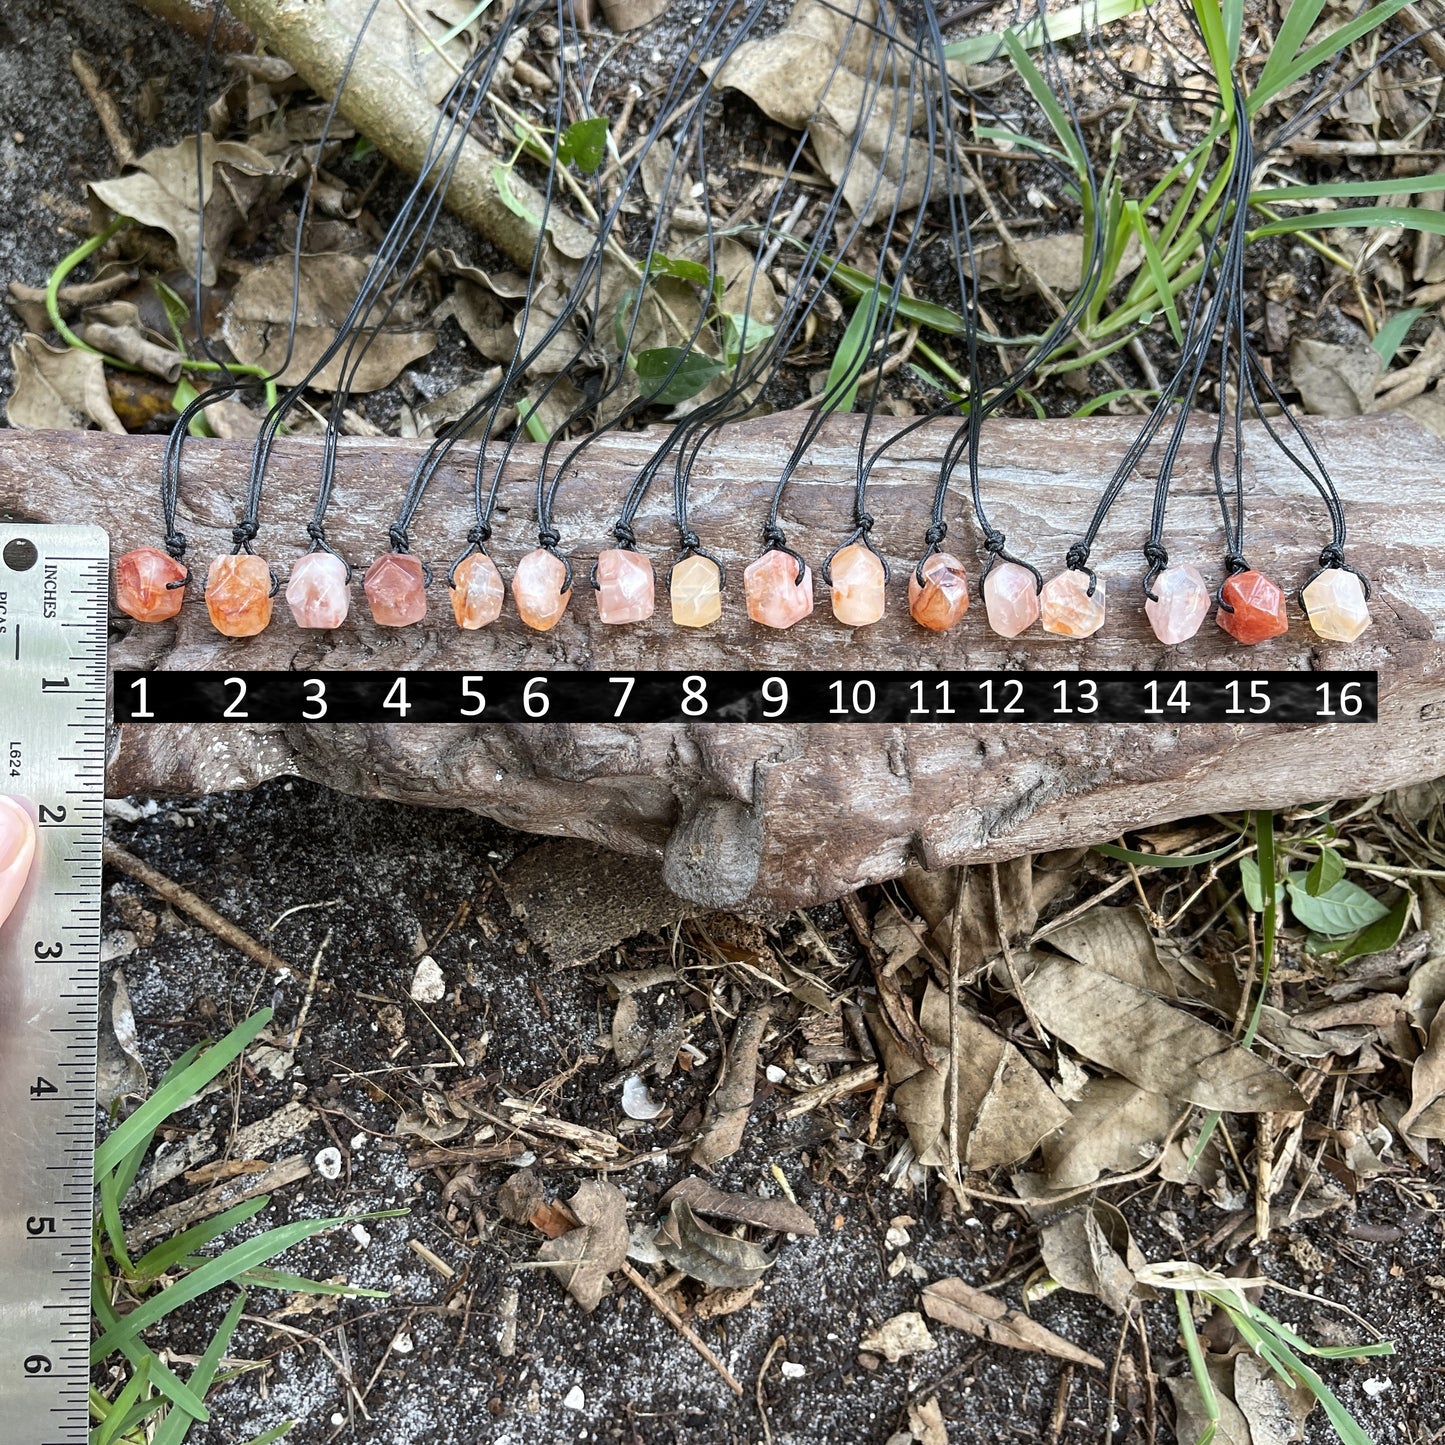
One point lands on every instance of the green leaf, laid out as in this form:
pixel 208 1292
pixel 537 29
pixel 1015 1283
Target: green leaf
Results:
pixel 170 1252
pixel 1325 872
pixel 174 1090
pixel 177 312
pixel 267 1437
pixel 1048 102
pixel 1216 42
pixel 121 1407
pixel 584 144
pixel 1299 20
pixel 1013 137
pixel 464 23
pixel 362 148
pixel 263 1278
pixel 181 398
pixel 162 1376
pixel 684 270
pixel 1341 910
pixel 1413 218
pixel 674 374
pixel 502 179
pixel 1157 272
pixel 1349 190
pixel 1062 26
pixel 1376 937
pixel 177 1424
pixel 1390 337
pixel 841 390
pixel 1097 403
pixel 1169 860
pixel 532 422
pixel 1326 49
pixel 743 333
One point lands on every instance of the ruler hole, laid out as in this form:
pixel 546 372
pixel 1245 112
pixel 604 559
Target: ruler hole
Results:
pixel 20 554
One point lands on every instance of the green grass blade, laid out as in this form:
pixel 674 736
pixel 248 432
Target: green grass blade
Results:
pixel 1063 26
pixel 175 1090
pixel 1162 860
pixel 1216 42
pixel 1350 190
pixel 1233 13
pixel 843 376
pixel 995 132
pixel 177 1425
pixel 1269 888
pixel 1413 218
pixel 162 1376
pixel 299 1284
pixel 170 1252
pixel 267 1437
pixel 121 1406
pixel 1155 262
pixel 531 420
pixel 1324 50
pixel 1048 102
pixel 1097 403
pixel 1391 336
pixel 1299 20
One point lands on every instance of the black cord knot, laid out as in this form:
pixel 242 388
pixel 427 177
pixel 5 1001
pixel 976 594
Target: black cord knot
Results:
pixel 864 522
pixel 1076 559
pixel 317 533
pixel 689 540
pixel 479 534
pixel 400 542
pixel 774 536
pixel 244 533
pixel 626 537
pixel 1155 555
pixel 548 537
pixel 936 533
pixel 176 544
pixel 1235 563
pixel 1332 557
pixel 994 541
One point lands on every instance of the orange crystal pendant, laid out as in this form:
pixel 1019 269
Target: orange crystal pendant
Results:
pixel 775 596
pixel 857 587
pixel 537 589
pixel 1067 608
pixel 1258 608
pixel 943 598
pixel 477 592
pixel 142 584
pixel 395 587
pixel 238 594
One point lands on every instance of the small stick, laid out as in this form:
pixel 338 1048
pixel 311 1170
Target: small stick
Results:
pixel 1263 1171
pixel 682 1327
pixel 1061 1405
pixel 105 109
pixel 955 951
pixel 773 1349
pixel 117 857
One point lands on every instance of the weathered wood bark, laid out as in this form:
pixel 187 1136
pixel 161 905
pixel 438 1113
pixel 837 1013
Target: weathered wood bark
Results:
pixel 792 813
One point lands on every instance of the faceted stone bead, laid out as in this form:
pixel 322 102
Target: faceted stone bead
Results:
pixel 1258 608
pixel 395 587
pixel 317 591
pixel 1011 599
pixel 238 594
pixel 1066 607
pixel 1336 607
pixel 1182 604
pixel 857 586
pixel 142 584
pixel 775 596
pixel 625 589
pixel 696 590
pixel 477 591
pixel 537 588
pixel 943 598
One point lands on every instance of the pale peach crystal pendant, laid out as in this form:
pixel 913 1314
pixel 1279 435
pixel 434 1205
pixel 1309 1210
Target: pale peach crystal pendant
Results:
pixel 775 596
pixel 142 584
pixel 1067 609
pixel 1179 605
pixel 537 590
pixel 1335 605
pixel 625 589
pixel 943 598
pixel 477 592
pixel 395 587
pixel 858 580
pixel 1011 599
pixel 695 587
pixel 317 591
pixel 238 594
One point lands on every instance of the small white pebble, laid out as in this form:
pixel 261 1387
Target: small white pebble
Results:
pixel 328 1162
pixel 428 984
pixel 775 1074
pixel 337 1418
pixel 403 1344
pixel 575 1400
pixel 793 1370
pixel 1375 1387
pixel 897 1238
pixel 357 1140
pixel 361 1235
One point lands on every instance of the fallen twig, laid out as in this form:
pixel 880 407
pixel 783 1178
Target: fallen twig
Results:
pixel 683 1328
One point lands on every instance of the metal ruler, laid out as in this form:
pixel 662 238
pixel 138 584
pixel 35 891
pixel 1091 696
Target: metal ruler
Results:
pixel 54 593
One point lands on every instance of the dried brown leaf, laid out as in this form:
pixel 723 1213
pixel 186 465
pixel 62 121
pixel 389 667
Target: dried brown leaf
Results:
pixel 1115 1127
pixel 1116 941
pixel 1335 380
pixel 728 1109
pixel 1157 1046
pixel 719 1260
pixel 1191 1419
pixel 904 1334
pixel 1425 1118
pixel 1091 1251
pixel 58 387
pixel 781 1215
pixel 959 1305
pixel 1276 1414
pixel 586 1256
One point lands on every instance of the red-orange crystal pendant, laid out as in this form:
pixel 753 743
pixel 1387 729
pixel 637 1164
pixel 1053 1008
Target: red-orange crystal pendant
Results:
pixel 143 584
pixel 1258 608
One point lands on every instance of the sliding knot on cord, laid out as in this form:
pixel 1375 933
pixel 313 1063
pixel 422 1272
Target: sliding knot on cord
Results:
pixel 548 537
pixel 625 536
pixel 994 542
pixel 1235 563
pixel 398 538
pixel 774 537
pixel 1332 557
pixel 479 534
pixel 689 540
pixel 864 523
pixel 175 544
pixel 936 533
pixel 1076 559
pixel 1155 555
pixel 243 534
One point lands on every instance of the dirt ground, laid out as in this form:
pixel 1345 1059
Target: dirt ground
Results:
pixel 383 882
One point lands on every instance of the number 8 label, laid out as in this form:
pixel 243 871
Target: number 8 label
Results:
pixel 694 704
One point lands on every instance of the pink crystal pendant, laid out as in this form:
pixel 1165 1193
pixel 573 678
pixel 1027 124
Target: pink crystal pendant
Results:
pixel 624 585
pixel 537 589
pixel 943 598
pixel 238 594
pixel 317 591
pixel 143 584
pixel 857 586
pixel 1011 599
pixel 1179 605
pixel 1066 607
pixel 395 587
pixel 775 596
pixel 1335 605
pixel 477 592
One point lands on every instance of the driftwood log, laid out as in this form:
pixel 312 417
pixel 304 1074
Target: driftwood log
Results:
pixel 791 814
